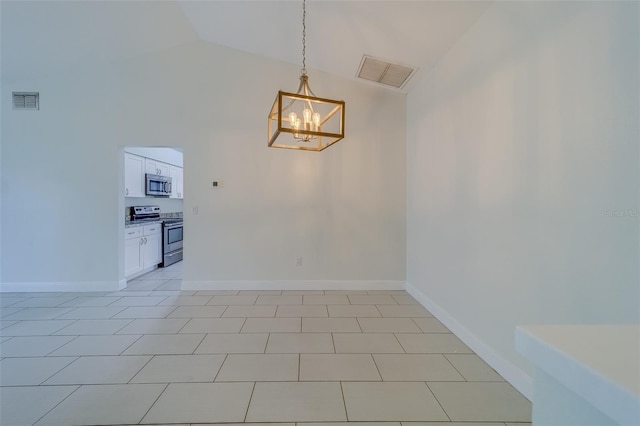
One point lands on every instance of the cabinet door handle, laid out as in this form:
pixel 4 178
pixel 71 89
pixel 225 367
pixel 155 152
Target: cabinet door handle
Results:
pixel 141 241
pixel 126 191
pixel 145 240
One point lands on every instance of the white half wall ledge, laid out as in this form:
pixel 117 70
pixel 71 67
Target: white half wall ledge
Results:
pixel 62 286
pixel 293 285
pixel 511 373
pixel 584 367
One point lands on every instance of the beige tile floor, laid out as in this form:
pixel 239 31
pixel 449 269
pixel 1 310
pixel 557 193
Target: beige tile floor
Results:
pixel 153 354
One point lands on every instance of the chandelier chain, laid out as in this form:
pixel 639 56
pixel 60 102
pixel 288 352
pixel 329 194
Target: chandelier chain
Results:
pixel 304 37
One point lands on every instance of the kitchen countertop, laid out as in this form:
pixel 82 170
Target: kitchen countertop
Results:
pixel 142 223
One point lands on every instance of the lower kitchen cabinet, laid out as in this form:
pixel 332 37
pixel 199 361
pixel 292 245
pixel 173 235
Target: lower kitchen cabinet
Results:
pixel 142 249
pixel 132 256
pixel 152 250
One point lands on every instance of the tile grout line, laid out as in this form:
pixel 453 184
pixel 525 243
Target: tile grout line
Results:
pixel 418 325
pixel 59 347
pixel 121 328
pixel 437 400
pixel 169 313
pixel 226 356
pixel 182 328
pixel 246 413
pixel 444 355
pixel 264 351
pixel 344 402
pixel 204 335
pixel 400 343
pixel 117 313
pixel 131 344
pixel 154 403
pixel 55 406
pixel 266 344
pixel 379 311
pixel 377 367
pixel 138 372
pixel 59 370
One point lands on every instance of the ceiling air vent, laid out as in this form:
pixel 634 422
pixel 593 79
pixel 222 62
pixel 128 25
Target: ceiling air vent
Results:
pixel 384 72
pixel 26 101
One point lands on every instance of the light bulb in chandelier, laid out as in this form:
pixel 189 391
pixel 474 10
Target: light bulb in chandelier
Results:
pixel 293 118
pixel 310 122
pixel 306 113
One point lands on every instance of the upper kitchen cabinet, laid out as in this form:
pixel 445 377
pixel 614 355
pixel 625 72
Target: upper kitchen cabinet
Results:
pixel 140 161
pixel 134 170
pixel 155 167
pixel 176 174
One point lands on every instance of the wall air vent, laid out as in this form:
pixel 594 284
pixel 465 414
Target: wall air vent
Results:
pixel 384 72
pixel 28 101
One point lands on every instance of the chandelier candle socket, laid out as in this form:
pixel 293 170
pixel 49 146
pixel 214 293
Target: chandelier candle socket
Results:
pixel 302 120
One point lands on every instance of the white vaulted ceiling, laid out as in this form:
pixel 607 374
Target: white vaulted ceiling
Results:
pixel 55 36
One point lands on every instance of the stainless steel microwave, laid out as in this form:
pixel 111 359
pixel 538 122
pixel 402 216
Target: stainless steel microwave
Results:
pixel 158 186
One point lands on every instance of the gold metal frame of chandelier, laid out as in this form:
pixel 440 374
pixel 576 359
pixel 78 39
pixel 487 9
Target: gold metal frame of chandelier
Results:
pixel 320 140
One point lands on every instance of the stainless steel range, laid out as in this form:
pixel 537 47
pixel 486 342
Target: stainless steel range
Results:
pixel 171 241
pixel 171 232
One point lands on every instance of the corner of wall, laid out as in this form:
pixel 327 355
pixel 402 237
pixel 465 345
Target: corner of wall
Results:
pixel 513 374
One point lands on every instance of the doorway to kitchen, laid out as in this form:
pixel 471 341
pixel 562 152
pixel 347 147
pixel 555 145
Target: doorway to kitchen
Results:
pixel 153 212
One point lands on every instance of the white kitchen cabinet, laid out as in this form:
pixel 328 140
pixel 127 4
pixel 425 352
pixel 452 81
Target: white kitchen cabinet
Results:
pixel 134 167
pixel 142 249
pixel 176 174
pixel 152 247
pixel 156 167
pixel 132 253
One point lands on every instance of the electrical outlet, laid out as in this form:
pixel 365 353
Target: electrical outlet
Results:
pixel 299 261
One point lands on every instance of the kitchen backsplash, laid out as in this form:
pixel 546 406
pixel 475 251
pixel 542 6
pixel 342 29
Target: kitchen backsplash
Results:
pixel 173 215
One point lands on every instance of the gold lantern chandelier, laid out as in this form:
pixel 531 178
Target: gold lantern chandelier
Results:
pixel 302 120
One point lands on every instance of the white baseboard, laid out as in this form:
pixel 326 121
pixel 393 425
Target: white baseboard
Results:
pixel 64 286
pixel 293 285
pixel 142 272
pixel 513 374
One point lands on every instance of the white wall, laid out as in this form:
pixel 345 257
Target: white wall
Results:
pixel 342 210
pixel 523 175
pixel 166 155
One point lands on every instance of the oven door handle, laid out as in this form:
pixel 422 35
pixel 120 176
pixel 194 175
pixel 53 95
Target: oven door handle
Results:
pixel 173 225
